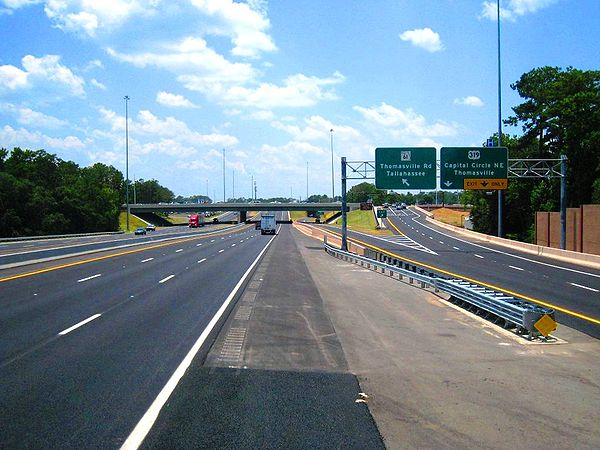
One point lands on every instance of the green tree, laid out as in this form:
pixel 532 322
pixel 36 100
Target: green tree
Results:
pixel 561 115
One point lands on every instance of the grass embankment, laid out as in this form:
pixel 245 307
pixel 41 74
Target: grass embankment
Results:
pixel 298 215
pixel 363 221
pixel 134 222
pixel 450 216
pixel 178 218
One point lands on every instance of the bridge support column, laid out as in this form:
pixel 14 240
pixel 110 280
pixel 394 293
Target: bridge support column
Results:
pixel 242 216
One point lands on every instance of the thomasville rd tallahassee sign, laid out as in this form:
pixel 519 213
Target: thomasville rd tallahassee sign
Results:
pixel 405 168
pixel 474 168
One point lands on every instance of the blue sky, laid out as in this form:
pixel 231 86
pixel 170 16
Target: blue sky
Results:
pixel 267 81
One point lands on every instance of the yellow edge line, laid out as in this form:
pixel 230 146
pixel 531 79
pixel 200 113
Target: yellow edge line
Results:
pixel 491 286
pixel 395 227
pixel 100 258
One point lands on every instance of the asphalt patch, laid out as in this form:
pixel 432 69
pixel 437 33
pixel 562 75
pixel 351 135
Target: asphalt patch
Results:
pixel 248 409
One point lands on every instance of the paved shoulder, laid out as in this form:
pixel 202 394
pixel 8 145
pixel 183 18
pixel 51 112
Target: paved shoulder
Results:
pixel 276 377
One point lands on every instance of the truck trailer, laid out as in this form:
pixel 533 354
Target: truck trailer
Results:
pixel 196 220
pixel 267 224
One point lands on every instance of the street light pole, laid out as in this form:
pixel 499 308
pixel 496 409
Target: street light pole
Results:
pixel 126 98
pixel 500 193
pixel 332 172
pixel 223 175
pixel 307 179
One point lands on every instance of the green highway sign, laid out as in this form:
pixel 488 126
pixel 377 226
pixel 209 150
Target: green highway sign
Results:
pixel 381 213
pixel 470 167
pixel 405 168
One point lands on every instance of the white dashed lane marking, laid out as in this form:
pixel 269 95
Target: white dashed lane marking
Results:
pixel 584 287
pixel 80 324
pixel 147 259
pixel 166 279
pixel 89 278
pixel 516 268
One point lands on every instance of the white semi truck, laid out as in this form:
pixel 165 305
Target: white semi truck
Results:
pixel 267 224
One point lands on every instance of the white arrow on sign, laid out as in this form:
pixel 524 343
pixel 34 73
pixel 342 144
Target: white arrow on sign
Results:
pixel 448 183
pixel 405 181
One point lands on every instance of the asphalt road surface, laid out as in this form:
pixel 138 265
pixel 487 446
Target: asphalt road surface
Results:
pixel 86 347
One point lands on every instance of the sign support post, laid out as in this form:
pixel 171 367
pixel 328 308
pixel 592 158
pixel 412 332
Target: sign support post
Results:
pixel 344 205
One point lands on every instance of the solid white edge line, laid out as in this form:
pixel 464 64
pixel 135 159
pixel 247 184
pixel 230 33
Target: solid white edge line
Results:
pixel 89 278
pixel 584 287
pixel 139 433
pixel 80 324
pixel 166 279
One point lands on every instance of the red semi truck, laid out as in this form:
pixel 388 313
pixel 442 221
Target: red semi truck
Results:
pixel 196 221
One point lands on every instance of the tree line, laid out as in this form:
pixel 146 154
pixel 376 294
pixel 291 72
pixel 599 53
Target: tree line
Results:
pixel 41 194
pixel 560 115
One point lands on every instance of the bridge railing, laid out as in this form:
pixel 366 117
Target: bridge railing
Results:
pixel 511 312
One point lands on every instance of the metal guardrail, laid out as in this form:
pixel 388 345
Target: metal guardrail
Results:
pixel 509 311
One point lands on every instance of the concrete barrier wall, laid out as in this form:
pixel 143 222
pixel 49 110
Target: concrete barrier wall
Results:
pixel 591 229
pixel 582 229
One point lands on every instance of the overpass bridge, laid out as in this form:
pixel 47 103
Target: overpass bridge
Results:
pixel 242 208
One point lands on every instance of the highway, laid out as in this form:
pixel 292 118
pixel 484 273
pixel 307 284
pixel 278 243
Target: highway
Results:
pixel 22 252
pixel 87 347
pixel 90 342
pixel 573 290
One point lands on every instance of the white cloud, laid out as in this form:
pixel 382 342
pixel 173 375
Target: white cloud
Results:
pixel 318 128
pixel 424 38
pixel 97 84
pixel 514 10
pixel 297 91
pixel 12 77
pixel 470 100
pixel 195 63
pixel 94 64
pixel 406 125
pixel 174 100
pixel 149 126
pixel 245 23
pixel 43 71
pixel 26 116
pixel 16 4
pixel 49 68
pixel 11 137
pixel 87 17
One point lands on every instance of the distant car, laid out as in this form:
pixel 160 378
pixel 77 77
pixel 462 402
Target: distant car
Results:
pixel 150 227
pixel 402 205
pixel 139 231
pixel 257 225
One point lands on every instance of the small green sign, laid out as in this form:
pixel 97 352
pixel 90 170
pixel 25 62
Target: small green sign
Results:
pixel 458 164
pixel 405 168
pixel 382 213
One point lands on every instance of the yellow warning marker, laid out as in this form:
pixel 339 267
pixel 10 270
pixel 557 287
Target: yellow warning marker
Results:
pixel 545 325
